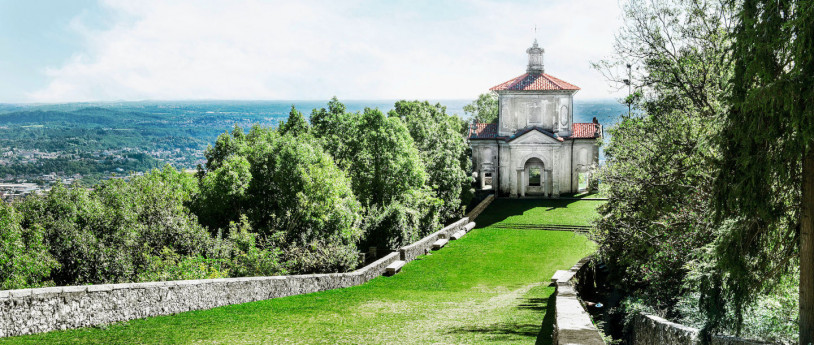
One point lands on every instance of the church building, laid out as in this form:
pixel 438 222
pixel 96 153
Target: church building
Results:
pixel 535 148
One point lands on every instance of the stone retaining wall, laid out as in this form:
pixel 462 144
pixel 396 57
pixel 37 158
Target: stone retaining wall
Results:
pixel 422 246
pixel 28 311
pixel 649 329
pixel 481 206
pixel 572 324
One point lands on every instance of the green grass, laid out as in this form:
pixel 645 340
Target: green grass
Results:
pixel 540 211
pixel 489 286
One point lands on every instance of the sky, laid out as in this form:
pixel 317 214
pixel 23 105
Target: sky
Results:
pixel 125 50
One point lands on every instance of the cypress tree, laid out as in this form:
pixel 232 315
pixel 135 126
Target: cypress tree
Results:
pixel 765 187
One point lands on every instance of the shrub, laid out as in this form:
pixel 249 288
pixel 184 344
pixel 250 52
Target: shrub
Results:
pixel 403 221
pixel 24 259
pixel 115 232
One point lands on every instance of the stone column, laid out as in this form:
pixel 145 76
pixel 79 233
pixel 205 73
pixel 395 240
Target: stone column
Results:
pixel 513 183
pixel 482 177
pixel 555 177
pixel 523 183
pixel 547 185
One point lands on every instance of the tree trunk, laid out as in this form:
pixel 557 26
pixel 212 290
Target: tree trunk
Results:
pixel 807 251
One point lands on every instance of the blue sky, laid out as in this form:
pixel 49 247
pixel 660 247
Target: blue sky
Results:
pixel 106 50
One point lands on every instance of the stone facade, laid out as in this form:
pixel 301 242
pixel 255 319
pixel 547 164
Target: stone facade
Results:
pixel 534 148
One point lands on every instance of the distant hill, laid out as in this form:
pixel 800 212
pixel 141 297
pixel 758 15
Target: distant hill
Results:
pixel 141 135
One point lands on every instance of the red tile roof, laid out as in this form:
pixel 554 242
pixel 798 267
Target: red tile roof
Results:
pixel 535 82
pixel 482 131
pixel 585 130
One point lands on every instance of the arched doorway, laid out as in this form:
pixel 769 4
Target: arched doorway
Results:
pixel 535 181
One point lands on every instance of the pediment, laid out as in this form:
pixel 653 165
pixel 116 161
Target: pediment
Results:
pixel 535 137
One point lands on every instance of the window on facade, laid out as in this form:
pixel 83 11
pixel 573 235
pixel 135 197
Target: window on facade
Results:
pixel 534 176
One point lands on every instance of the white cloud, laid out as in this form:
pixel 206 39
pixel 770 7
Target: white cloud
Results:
pixel 251 49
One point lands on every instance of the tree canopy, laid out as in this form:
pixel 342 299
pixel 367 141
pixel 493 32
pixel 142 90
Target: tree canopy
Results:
pixel 484 109
pixel 765 186
pixel 443 151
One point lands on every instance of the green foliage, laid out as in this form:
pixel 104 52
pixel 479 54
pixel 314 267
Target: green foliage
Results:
pixel 657 215
pixel 484 109
pixel 289 189
pixel 169 265
pixel 298 191
pixel 250 258
pixel 403 221
pixel 476 281
pixel 296 124
pixel 105 235
pixel 266 202
pixel 223 192
pixel 24 259
pixel 385 163
pixel 657 227
pixel 380 156
pixel 443 151
pixel 767 145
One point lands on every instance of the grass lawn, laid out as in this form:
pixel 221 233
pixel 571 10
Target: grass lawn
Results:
pixel 489 286
pixel 540 211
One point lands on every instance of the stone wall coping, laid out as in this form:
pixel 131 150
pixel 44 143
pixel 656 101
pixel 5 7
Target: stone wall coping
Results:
pixel 5 294
pixel 480 207
pixel 427 241
pixel 671 324
pixel 649 326
pixel 572 323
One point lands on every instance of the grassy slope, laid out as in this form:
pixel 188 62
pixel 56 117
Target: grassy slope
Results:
pixel 489 286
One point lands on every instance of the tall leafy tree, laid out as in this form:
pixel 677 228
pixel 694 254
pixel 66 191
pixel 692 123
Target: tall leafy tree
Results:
pixel 291 193
pixel 386 171
pixel 484 109
pixel 765 188
pixel 386 162
pixel 295 125
pixel 110 234
pixel 24 259
pixel 443 151
pixel 660 160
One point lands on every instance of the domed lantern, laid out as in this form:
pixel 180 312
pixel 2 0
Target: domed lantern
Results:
pixel 535 59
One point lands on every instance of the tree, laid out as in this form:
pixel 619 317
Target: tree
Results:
pixel 24 259
pixel 296 124
pixel 116 232
pixel 386 162
pixel 385 167
pixel 659 160
pixel 765 187
pixel 291 193
pixel 336 129
pixel 443 151
pixel 484 109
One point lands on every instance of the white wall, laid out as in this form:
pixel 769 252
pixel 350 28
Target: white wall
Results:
pixel 552 111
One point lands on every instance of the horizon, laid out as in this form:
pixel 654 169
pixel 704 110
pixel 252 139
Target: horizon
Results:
pixel 608 99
